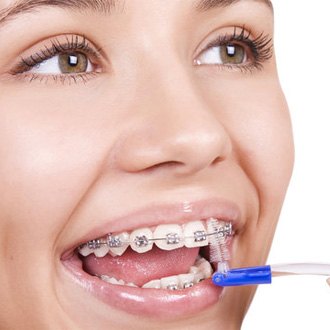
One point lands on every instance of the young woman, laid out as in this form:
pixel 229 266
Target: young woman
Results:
pixel 124 127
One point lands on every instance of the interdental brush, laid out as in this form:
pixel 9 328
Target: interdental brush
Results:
pixel 224 276
pixel 219 251
pixel 263 274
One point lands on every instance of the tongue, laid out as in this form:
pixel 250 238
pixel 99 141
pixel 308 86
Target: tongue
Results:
pixel 141 268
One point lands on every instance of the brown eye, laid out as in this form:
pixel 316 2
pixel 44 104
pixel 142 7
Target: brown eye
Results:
pixel 232 54
pixel 73 62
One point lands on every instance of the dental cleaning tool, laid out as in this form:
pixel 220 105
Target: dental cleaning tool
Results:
pixel 219 251
pixel 224 276
pixel 263 274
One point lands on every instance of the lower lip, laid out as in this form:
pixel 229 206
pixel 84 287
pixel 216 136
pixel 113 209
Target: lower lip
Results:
pixel 152 303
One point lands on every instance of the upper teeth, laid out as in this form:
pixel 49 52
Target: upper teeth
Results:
pixel 140 239
pixel 166 237
pixel 169 237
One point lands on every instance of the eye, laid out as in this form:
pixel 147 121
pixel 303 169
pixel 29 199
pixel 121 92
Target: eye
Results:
pixel 65 63
pixel 237 50
pixel 224 54
pixel 61 59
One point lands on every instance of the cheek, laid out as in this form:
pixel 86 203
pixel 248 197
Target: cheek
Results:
pixel 265 151
pixel 254 112
pixel 48 160
pixel 265 146
pixel 261 132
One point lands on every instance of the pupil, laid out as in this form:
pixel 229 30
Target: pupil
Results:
pixel 72 60
pixel 231 50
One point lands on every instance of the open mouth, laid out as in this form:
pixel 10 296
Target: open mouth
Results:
pixel 173 257
pixel 165 267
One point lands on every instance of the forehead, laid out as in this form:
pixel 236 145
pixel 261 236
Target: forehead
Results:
pixel 11 10
pixel 198 4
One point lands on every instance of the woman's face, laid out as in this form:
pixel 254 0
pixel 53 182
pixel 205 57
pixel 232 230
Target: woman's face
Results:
pixel 121 116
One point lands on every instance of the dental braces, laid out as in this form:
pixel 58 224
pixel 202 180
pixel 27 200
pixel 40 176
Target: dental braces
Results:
pixel 172 286
pixel 114 241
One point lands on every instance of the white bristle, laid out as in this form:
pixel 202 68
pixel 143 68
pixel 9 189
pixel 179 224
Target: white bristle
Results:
pixel 219 251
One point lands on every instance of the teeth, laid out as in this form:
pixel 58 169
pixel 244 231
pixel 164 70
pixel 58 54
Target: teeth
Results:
pixel 132 284
pixel 195 234
pixel 204 267
pixel 118 243
pixel 154 284
pixel 94 244
pixel 200 271
pixel 177 282
pixel 170 283
pixel 84 250
pixel 102 251
pixel 186 281
pixel 114 281
pixel 199 277
pixel 193 270
pixel 168 237
pixel 141 240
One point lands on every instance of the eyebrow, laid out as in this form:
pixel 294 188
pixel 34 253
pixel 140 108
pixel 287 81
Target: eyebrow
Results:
pixel 101 6
pixel 205 5
pixel 27 6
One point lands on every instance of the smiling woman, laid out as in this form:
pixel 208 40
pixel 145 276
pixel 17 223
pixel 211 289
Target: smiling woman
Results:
pixel 125 126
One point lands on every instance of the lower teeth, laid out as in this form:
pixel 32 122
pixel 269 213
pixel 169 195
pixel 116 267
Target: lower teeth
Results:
pixel 201 270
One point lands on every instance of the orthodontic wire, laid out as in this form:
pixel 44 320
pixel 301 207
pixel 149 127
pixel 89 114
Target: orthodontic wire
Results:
pixel 225 230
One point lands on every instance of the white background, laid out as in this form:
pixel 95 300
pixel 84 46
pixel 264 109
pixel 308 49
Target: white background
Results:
pixel 302 42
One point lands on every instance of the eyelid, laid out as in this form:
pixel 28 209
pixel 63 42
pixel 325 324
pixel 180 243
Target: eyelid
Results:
pixel 53 46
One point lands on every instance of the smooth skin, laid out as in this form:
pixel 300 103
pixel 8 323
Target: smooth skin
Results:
pixel 151 125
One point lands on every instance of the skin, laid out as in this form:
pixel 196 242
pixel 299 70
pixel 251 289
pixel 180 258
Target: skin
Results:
pixel 151 128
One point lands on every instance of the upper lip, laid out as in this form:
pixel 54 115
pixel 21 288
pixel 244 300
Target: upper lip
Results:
pixel 177 213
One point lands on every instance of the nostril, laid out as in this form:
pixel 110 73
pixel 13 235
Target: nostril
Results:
pixel 183 168
pixel 217 160
pixel 166 165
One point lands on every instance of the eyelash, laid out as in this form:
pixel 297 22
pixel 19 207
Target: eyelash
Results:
pixel 73 44
pixel 260 48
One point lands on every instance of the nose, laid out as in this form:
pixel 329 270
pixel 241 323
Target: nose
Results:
pixel 173 129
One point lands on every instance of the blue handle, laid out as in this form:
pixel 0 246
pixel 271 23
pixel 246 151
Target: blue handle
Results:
pixel 244 276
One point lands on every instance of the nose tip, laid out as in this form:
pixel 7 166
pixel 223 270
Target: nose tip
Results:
pixel 184 145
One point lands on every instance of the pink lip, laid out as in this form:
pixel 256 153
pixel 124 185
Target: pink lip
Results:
pixel 154 303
